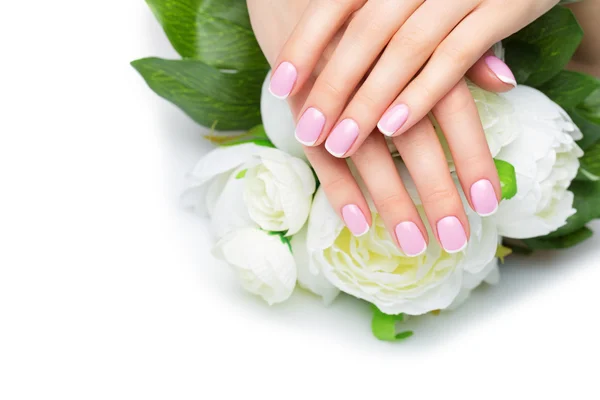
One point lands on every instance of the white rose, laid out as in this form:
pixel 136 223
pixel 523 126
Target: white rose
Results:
pixel 249 185
pixel 278 191
pixel 279 122
pixel 309 278
pixel 373 268
pixel 211 174
pixel 490 274
pixel 545 157
pixel 263 262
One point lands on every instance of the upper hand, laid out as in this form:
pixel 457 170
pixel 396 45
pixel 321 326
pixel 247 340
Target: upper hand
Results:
pixel 395 61
pixel 420 149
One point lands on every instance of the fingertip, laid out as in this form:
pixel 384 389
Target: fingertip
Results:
pixel 492 74
pixel 283 80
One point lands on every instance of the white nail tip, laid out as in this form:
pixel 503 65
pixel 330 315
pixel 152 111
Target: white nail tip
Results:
pixel 386 133
pixel 464 246
pixel 277 96
pixel 490 213
pixel 418 254
pixel 303 142
pixel 333 153
pixel 363 232
pixel 507 80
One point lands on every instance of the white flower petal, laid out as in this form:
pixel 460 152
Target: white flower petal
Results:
pixel 263 262
pixel 310 278
pixel 279 122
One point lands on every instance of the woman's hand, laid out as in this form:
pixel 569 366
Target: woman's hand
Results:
pixel 412 52
pixel 456 113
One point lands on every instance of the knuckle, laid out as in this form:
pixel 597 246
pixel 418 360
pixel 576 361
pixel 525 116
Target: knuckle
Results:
pixel 475 161
pixel 461 57
pixel 335 184
pixel 388 202
pixel 364 99
pixel 415 41
pixel 329 90
pixel 422 89
pixel 440 194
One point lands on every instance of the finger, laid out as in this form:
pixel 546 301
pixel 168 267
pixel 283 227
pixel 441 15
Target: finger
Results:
pixel 341 189
pixel 365 38
pixel 423 155
pixel 448 64
pixel 319 23
pixel 457 115
pixel 492 74
pixel 397 210
pixel 405 54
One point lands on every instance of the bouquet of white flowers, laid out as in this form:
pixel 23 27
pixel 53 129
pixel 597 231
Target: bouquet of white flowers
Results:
pixel 274 225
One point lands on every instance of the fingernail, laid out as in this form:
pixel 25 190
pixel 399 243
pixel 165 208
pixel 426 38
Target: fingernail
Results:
pixel 342 138
pixel 484 198
pixel 393 120
pixel 452 234
pixel 355 220
pixel 310 126
pixel 283 80
pixel 411 239
pixel 501 70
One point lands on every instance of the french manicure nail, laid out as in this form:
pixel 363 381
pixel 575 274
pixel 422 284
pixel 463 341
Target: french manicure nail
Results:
pixel 393 119
pixel 283 80
pixel 310 126
pixel 452 234
pixel 501 70
pixel 342 137
pixel 484 198
pixel 355 220
pixel 411 239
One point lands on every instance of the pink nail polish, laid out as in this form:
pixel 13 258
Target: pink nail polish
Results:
pixel 342 137
pixel 452 234
pixel 283 80
pixel 310 126
pixel 501 70
pixel 393 119
pixel 355 220
pixel 484 198
pixel 411 239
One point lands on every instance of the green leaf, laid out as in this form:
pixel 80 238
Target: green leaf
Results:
pixel 585 175
pixel 225 101
pixel 590 162
pixel 216 32
pixel 587 204
pixel 589 126
pixel 508 179
pixel 560 242
pixel 568 89
pixel 556 35
pixel 284 239
pixel 384 326
pixel 256 135
pixel 241 174
pixel 587 117
pixel 522 58
pixel 502 252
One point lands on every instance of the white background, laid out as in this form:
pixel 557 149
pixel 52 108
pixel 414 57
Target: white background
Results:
pixel 108 291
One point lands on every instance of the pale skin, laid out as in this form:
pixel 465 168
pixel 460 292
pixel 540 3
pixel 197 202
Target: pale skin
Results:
pixel 274 23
